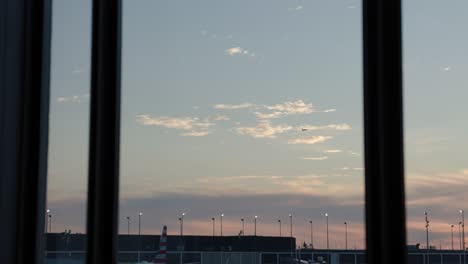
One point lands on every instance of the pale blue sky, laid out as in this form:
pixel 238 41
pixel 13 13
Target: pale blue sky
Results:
pixel 186 64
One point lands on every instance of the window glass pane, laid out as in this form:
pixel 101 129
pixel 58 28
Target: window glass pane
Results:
pixel 68 132
pixel 435 66
pixel 232 110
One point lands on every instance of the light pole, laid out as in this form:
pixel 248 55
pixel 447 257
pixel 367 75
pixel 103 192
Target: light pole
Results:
pixel 463 235
pixel 128 225
pixel 180 226
pixel 213 221
pixel 459 234
pixel 279 222
pixel 311 234
pixel 451 229
pixel 139 234
pixel 139 223
pixel 255 225
pixel 291 233
pixel 346 235
pixel 50 223
pixel 222 224
pixel 181 220
pixel 290 223
pixel 242 221
pixel 47 221
pixel 463 229
pixel 328 244
pixel 213 237
pixel 427 231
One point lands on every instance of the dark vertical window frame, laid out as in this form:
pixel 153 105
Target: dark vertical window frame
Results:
pixel 104 144
pixel 25 30
pixel 383 132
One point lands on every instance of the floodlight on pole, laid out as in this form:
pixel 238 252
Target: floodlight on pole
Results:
pixel 346 235
pixel 290 223
pixel 181 219
pixel 255 225
pixel 213 222
pixel 279 222
pixel 459 235
pixel 311 234
pixel 427 231
pixel 463 235
pixel 139 223
pixel 222 224
pixel 242 221
pixel 128 225
pixel 47 221
pixel 328 243
pixel 451 230
pixel 291 234
pixel 139 234
pixel 50 222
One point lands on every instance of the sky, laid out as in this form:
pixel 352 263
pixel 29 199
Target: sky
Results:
pixel 255 108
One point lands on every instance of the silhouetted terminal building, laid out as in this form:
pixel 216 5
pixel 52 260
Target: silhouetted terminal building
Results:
pixel 77 242
pixel 65 248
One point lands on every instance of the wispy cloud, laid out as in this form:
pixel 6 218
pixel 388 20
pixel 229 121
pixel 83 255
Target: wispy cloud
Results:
pixel 331 127
pixel 248 184
pixel 186 123
pixel 221 118
pixel 194 125
pixel 333 151
pixel 350 168
pixel 310 140
pixel 233 106
pixel 234 51
pixel 298 107
pixel 238 51
pixel 73 99
pixel 446 68
pixel 296 8
pixel 196 133
pixel 268 115
pixel 264 129
pixel 352 153
pixel 315 158
pixel 277 184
